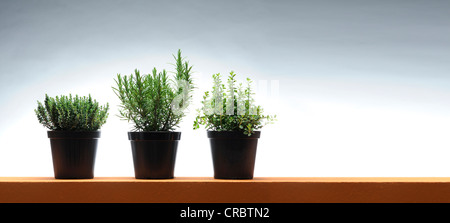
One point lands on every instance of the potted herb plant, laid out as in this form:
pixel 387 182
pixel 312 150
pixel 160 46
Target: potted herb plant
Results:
pixel 232 121
pixel 155 104
pixel 73 125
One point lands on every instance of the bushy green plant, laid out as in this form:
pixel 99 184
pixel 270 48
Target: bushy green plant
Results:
pixel 154 102
pixel 232 108
pixel 67 113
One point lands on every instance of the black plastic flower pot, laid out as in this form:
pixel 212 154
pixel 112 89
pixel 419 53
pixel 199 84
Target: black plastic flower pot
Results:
pixel 233 154
pixel 73 153
pixel 154 154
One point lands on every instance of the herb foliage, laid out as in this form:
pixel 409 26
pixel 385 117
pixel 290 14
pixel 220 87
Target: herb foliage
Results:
pixel 155 102
pixel 67 113
pixel 231 108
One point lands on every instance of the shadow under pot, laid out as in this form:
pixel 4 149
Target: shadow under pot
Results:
pixel 233 154
pixel 154 153
pixel 73 153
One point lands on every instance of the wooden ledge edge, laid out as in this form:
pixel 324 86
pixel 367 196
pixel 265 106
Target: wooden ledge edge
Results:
pixel 209 190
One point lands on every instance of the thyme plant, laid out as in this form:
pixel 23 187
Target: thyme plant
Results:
pixel 231 108
pixel 154 102
pixel 67 113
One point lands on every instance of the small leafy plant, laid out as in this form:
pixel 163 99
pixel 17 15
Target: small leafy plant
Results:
pixel 67 113
pixel 154 102
pixel 232 108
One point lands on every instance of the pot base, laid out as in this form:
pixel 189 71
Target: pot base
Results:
pixel 233 154
pixel 154 154
pixel 73 154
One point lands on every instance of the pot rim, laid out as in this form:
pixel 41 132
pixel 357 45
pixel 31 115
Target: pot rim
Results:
pixel 154 135
pixel 232 134
pixel 61 134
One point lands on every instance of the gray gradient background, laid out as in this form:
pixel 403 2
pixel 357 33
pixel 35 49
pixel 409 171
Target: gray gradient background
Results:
pixel 364 86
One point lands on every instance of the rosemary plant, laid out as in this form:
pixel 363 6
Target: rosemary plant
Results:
pixel 154 102
pixel 67 113
pixel 232 108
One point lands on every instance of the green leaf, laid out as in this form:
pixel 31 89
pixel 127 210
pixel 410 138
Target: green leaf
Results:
pixel 148 100
pixel 65 113
pixel 231 110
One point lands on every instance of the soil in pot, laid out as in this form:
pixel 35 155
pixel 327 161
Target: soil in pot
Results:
pixel 233 154
pixel 73 153
pixel 154 154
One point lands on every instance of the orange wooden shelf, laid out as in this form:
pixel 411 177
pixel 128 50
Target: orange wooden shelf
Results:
pixel 209 190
